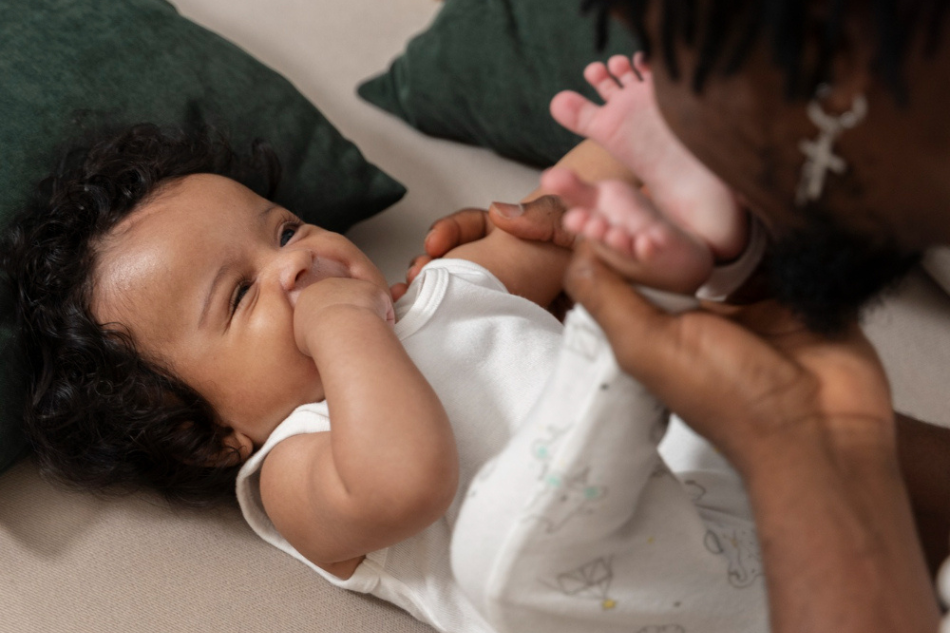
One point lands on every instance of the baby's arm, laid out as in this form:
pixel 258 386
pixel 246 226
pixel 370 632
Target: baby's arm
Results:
pixel 531 269
pixel 388 468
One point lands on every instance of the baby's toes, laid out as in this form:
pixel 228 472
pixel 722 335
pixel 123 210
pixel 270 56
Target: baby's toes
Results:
pixel 573 111
pixel 596 227
pixel 575 220
pixel 646 245
pixel 620 67
pixel 601 80
pixel 619 240
pixel 641 67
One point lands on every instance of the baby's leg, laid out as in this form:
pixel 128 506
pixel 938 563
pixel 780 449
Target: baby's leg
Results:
pixel 644 244
pixel 578 525
pixel 630 126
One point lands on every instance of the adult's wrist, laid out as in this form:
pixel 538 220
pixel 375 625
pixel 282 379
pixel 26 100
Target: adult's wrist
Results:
pixel 842 445
pixel 832 511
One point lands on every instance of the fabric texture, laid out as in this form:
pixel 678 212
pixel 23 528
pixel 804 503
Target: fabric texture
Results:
pixel 579 524
pixel 70 67
pixel 485 71
pixel 487 354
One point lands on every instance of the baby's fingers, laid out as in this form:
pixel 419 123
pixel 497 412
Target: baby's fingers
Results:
pixel 397 290
pixel 415 267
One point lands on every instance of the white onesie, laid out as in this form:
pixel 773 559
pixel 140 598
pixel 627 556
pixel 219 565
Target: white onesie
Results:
pixel 487 354
pixel 578 523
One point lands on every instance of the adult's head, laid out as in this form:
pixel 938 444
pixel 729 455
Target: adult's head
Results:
pixel 734 79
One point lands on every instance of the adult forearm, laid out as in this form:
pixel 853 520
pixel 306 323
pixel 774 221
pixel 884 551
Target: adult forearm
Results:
pixel 924 451
pixel 838 540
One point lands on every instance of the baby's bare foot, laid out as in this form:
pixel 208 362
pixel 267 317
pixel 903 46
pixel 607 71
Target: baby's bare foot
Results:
pixel 629 125
pixel 643 244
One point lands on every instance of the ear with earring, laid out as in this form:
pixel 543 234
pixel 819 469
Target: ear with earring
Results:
pixel 819 153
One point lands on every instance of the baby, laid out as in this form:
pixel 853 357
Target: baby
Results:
pixel 459 453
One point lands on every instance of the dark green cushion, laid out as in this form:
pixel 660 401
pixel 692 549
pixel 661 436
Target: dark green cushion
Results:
pixel 67 65
pixel 484 73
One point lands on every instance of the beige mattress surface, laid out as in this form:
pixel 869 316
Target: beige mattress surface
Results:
pixel 70 562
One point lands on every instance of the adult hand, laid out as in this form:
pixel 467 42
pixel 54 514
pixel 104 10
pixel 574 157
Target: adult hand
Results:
pixel 742 377
pixel 808 423
pixel 537 220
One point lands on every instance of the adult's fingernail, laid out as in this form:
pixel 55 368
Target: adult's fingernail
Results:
pixel 509 210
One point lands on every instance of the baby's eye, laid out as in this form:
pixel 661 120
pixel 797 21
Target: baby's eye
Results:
pixel 239 293
pixel 288 232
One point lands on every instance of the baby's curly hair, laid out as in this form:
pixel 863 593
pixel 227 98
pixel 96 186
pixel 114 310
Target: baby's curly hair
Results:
pixel 98 414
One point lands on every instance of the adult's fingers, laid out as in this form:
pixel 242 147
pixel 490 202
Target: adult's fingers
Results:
pixel 461 227
pixel 685 359
pixel 538 220
pixel 633 325
pixel 717 375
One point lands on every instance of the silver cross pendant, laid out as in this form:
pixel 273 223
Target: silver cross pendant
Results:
pixel 819 153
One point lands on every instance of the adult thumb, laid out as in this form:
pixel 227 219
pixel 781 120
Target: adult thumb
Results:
pixel 537 220
pixel 644 337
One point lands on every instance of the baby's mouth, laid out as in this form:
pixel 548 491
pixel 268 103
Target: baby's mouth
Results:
pixel 320 268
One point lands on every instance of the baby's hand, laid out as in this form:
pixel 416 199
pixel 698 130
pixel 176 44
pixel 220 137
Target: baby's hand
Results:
pixel 316 305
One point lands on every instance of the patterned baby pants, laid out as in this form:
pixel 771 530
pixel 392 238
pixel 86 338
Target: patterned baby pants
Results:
pixel 579 526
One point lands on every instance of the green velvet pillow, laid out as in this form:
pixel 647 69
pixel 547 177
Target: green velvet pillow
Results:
pixel 66 65
pixel 484 73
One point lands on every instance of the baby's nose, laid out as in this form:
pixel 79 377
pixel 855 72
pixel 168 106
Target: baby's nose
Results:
pixel 296 274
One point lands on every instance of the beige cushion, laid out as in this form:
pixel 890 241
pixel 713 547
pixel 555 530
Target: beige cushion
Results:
pixel 71 562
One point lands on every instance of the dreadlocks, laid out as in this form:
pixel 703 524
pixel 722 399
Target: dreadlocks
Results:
pixel 729 29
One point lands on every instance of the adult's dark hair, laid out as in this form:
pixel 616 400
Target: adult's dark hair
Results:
pixel 99 415
pixel 729 30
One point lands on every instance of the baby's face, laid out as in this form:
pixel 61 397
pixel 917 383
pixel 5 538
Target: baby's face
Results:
pixel 205 276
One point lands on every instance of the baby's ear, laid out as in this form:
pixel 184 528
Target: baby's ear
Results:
pixel 237 441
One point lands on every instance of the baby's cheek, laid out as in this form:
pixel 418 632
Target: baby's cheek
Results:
pixel 261 376
pixel 291 383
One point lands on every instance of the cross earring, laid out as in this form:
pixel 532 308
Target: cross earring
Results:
pixel 819 153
